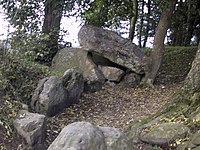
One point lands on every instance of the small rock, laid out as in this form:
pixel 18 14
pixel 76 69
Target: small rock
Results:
pixel 31 126
pixel 131 80
pixel 165 133
pixel 112 73
pixel 196 148
pixel 196 138
pixel 115 139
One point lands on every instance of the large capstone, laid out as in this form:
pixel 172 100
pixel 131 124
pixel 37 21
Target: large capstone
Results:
pixel 110 45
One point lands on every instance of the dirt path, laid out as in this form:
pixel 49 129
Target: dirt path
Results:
pixel 112 106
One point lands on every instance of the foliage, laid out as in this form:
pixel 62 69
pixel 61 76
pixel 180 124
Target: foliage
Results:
pixel 185 24
pixel 23 14
pixel 33 46
pixel 148 20
pixel 19 77
pixel 27 17
pixel 107 13
pixel 8 111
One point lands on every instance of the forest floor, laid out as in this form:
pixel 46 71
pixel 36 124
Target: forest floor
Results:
pixel 115 106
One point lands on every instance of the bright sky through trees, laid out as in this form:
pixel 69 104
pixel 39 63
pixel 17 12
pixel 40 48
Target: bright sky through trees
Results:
pixel 69 24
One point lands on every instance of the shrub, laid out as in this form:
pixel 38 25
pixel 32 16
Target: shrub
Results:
pixel 19 77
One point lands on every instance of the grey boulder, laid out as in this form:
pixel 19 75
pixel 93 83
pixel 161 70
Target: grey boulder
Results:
pixel 53 94
pixel 73 82
pixel 130 80
pixel 80 60
pixel 31 126
pixel 115 139
pixel 193 143
pixel 79 136
pixel 165 133
pixel 85 136
pixel 110 45
pixel 112 74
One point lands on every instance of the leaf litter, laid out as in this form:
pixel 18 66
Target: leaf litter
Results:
pixel 113 107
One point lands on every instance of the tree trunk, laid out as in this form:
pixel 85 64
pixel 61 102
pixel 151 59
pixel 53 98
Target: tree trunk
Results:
pixel 133 20
pixel 51 26
pixel 141 25
pixel 186 99
pixel 147 26
pixel 190 23
pixel 154 61
pixel 192 81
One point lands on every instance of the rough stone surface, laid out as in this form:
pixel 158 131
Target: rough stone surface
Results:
pixel 73 82
pixel 79 136
pixel 80 60
pixel 85 136
pixel 196 148
pixel 193 143
pixel 51 98
pixel 115 139
pixel 111 46
pixel 165 133
pixel 38 90
pixel 196 139
pixel 31 126
pixel 53 94
pixel 112 73
pixel 131 80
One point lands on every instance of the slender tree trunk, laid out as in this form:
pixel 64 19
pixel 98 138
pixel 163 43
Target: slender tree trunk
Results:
pixel 147 26
pixel 155 59
pixel 133 20
pixel 141 25
pixel 189 24
pixel 51 26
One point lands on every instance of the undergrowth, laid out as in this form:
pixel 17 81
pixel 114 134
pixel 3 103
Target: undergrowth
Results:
pixel 19 77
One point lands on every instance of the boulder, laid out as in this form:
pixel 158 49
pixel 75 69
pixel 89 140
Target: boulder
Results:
pixel 165 133
pixel 85 136
pixel 80 60
pixel 110 45
pixel 112 73
pixel 31 126
pixel 115 139
pixel 193 142
pixel 196 138
pixel 73 82
pixel 79 136
pixel 50 96
pixel 53 94
pixel 131 80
